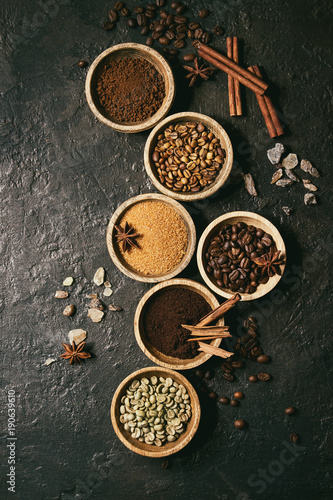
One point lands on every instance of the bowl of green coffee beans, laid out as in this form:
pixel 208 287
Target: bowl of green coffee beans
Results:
pixel 155 412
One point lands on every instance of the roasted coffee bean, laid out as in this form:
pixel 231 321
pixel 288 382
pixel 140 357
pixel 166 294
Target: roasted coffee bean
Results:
pixel 113 16
pixel 150 41
pixel 228 377
pixel 237 346
pixel 159 28
pixel 199 373
pixel 189 57
pixel 234 402
pixel 164 40
pixel 150 14
pixel 141 19
pixel 156 35
pixel 209 374
pixel 290 410
pixel 263 358
pixel 263 376
pixel 173 52
pixel 198 33
pixel 240 424
pixel 125 12
pixel 238 395
pixel 131 22
pixel 175 5
pixel 160 3
pixel 151 6
pixel 205 38
pixel 180 36
pixel 82 64
pixel 144 30
pixel 250 344
pixel 293 438
pixel 165 464
pixel 163 14
pixel 170 34
pixel 212 395
pixel 224 400
pixel 256 351
pixel 108 26
pixel 237 364
pixel 138 10
pixel 180 19
pixel 179 44
pixel 243 351
pixel 227 367
pixel 217 30
pixel 253 378
pixel 204 13
pixel 118 6
pixel 181 9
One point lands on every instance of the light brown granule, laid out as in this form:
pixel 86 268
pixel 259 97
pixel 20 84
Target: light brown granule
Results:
pixel 163 237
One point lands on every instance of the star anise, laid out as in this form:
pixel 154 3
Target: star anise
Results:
pixel 269 263
pixel 75 353
pixel 126 236
pixel 204 72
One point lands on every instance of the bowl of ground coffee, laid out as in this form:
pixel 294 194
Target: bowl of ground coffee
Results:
pixel 158 322
pixel 130 87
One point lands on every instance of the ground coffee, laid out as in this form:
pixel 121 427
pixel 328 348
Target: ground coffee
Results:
pixel 130 90
pixel 164 315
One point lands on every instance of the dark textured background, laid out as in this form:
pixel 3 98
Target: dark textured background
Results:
pixel 63 174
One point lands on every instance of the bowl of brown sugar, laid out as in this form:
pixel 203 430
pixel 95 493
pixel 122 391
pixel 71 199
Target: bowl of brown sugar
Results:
pixel 158 322
pixel 130 87
pixel 151 238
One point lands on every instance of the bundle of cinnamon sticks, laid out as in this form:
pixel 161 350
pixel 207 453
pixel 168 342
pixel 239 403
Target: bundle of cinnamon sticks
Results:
pixel 251 78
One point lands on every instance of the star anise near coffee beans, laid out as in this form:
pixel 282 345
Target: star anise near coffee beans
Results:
pixel 269 263
pixel 126 236
pixel 203 71
pixel 75 353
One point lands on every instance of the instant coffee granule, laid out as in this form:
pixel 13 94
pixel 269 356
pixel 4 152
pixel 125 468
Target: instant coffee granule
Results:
pixel 131 90
pixel 164 316
pixel 163 237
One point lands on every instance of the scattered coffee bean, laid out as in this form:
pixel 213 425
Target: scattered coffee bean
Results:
pixel 165 464
pixel 293 437
pixel 212 395
pixel 118 6
pixel 234 402
pixel 253 378
pixel 138 10
pixel 237 364
pixel 227 367
pixel 199 373
pixel 69 310
pixel 224 400
pixel 240 424
pixel 125 12
pixel 164 40
pixel 205 38
pixel 263 358
pixel 108 26
pixel 150 41
pixel 217 30
pixel 204 13
pixel 113 16
pixel 82 64
pixel 131 22
pixel 238 395
pixel 175 5
pixel 228 377
pixel 209 374
pixel 181 9
pixel 160 3
pixel 263 376
pixel 145 30
pixel 290 410
pixel 179 44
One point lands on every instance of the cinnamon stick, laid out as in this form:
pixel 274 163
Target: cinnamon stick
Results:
pixel 206 330
pixel 219 311
pixel 265 112
pixel 271 109
pixel 231 81
pixel 216 351
pixel 236 82
pixel 232 68
pixel 208 337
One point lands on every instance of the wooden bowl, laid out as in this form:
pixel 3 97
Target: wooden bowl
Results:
pixel 118 259
pixel 232 218
pixel 122 51
pixel 217 130
pixel 152 450
pixel 150 351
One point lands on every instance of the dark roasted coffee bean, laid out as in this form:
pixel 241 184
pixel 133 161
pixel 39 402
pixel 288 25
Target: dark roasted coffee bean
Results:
pixel 164 40
pixel 217 30
pixel 237 364
pixel 252 333
pixel 240 424
pixel 243 351
pixel 108 26
pixel 113 15
pixel 212 395
pixel 151 6
pixel 256 351
pixel 118 6
pixel 181 9
pixel 209 374
pixel 224 400
pixel 165 464
pixel 245 338
pixel 160 3
pixel 173 52
pixel 142 20
pixel 290 410
pixel 159 28
pixel 226 367
pixel 194 26
pixel 237 346
pixel 150 14
pixel 125 12
pixel 228 377
pixel 253 378
pixel 150 41
pixel 189 58
pixel 175 5
pixel 138 10
pixel 82 64
pixel 263 359
pixel 264 376
pixel 156 35
pixel 204 13
pixel 199 373
pixel 251 343
pixel 169 20
pixel 238 395
pixel 180 19
pixel 131 22
pixel 198 33
pixel 205 38
pixel 180 36
pixel 163 14
pixel 293 438
pixel 144 30
pixel 234 402
pixel 179 44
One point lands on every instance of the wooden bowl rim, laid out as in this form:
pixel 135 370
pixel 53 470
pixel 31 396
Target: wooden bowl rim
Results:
pixel 223 174
pixel 191 232
pixel 180 365
pixel 167 75
pixel 169 448
pixel 256 220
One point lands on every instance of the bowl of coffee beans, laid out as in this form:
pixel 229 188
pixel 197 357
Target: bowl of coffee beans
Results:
pixel 130 87
pixel 188 156
pixel 241 252
pixel 155 412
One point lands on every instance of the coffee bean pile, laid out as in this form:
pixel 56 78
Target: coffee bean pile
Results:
pixel 230 253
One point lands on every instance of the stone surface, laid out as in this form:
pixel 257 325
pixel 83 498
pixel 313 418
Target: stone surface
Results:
pixel 63 174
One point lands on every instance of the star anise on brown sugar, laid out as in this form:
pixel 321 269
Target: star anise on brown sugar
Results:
pixel 269 263
pixel 203 71
pixel 126 236
pixel 75 353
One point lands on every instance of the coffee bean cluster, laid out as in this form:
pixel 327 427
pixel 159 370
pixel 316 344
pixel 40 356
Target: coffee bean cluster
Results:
pixel 248 346
pixel 187 157
pixel 230 253
pixel 170 27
